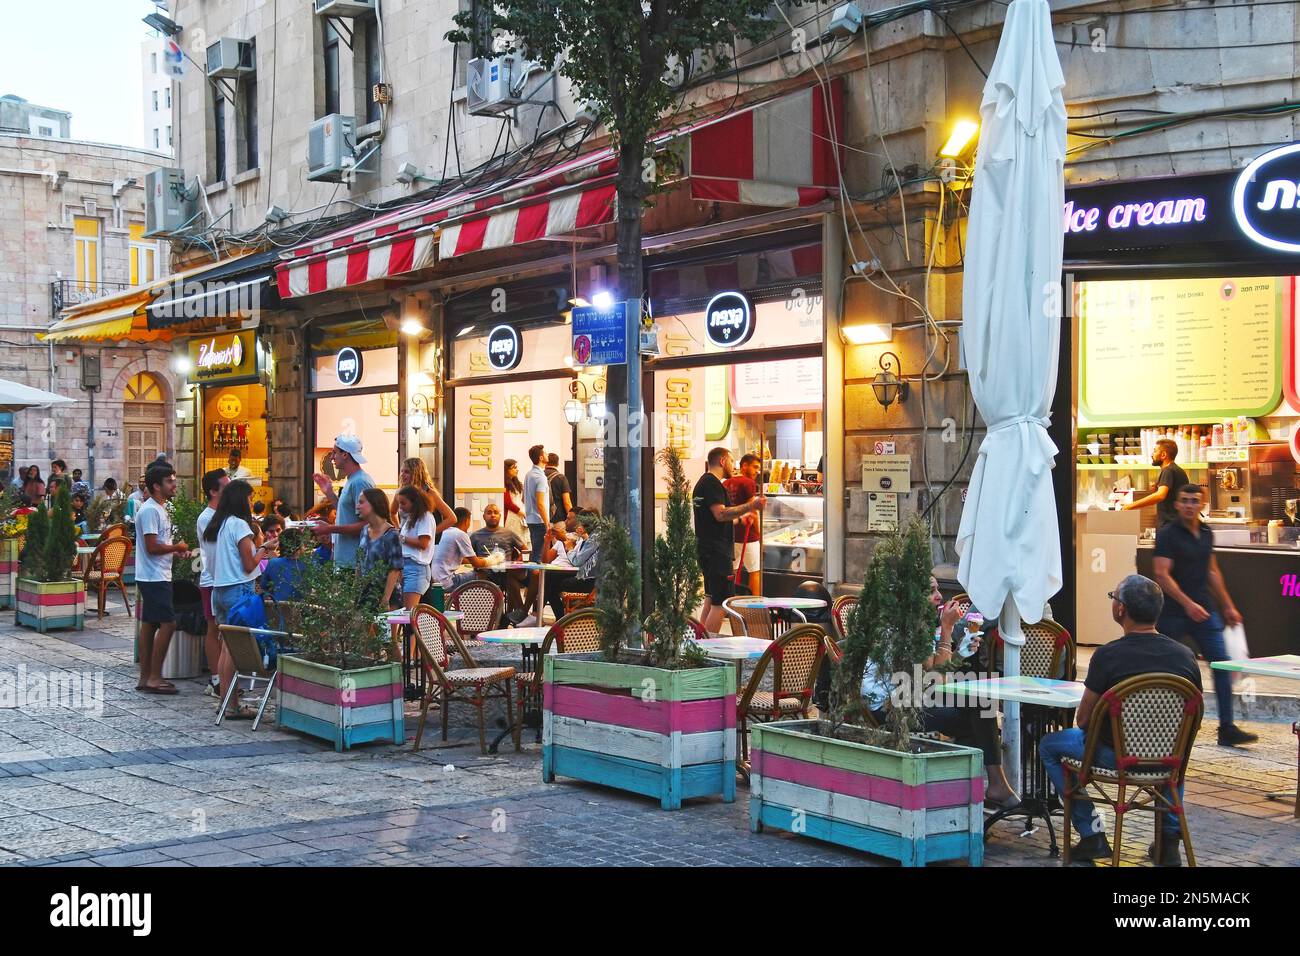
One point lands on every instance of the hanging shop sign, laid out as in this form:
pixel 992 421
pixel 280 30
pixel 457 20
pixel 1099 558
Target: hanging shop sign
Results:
pixel 348 366
pixel 505 348
pixel 728 320
pixel 229 355
pixel 1265 201
pixel 600 335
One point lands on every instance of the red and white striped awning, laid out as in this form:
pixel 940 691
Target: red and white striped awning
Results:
pixel 580 192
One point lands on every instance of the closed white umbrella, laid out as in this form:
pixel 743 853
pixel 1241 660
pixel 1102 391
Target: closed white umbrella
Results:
pixel 1009 549
pixel 15 397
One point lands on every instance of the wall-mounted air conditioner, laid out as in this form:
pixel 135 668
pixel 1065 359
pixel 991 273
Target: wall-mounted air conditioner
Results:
pixel 492 84
pixel 168 203
pixel 331 148
pixel 229 58
pixel 345 8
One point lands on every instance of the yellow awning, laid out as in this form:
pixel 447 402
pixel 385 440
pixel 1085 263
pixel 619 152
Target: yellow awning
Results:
pixel 120 316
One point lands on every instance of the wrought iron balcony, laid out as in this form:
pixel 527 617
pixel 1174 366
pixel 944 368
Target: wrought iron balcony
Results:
pixel 65 293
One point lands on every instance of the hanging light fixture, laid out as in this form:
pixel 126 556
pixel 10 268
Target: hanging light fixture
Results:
pixel 889 388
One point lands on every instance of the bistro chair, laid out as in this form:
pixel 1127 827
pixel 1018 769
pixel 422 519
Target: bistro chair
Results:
pixel 436 639
pixel 841 611
pixel 573 600
pixel 752 621
pixel 106 566
pixel 576 633
pixel 1153 720
pixel 113 531
pixel 481 603
pixel 795 658
pixel 250 670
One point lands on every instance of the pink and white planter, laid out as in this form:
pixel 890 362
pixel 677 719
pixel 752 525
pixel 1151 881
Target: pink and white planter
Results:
pixel 47 606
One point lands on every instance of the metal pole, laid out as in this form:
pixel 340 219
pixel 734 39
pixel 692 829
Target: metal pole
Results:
pixel 637 427
pixel 1012 639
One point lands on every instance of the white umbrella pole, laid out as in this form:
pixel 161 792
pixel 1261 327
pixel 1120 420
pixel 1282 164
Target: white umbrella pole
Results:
pixel 1012 638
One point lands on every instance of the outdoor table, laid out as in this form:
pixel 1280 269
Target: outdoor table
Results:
pixel 82 554
pixel 796 605
pixel 1050 702
pixel 1286 666
pixel 414 690
pixel 541 568
pixel 529 640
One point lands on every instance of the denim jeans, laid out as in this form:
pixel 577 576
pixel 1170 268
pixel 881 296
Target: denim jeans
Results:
pixel 1069 743
pixel 224 599
pixel 1208 636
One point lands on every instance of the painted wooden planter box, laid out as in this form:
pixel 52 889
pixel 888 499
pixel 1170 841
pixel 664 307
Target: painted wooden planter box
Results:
pixel 659 733
pixel 46 606
pixel 8 571
pixel 914 808
pixel 345 707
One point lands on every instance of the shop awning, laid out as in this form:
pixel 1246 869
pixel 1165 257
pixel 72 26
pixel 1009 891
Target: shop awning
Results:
pixel 235 288
pixel 788 160
pixel 122 316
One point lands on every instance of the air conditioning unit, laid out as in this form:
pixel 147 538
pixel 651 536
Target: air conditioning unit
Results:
pixel 330 148
pixel 490 84
pixel 168 204
pixel 345 8
pixel 229 58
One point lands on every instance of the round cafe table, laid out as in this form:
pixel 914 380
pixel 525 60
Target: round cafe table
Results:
pixel 541 568
pixel 795 604
pixel 529 640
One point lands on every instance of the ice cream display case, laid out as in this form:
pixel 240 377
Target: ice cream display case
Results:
pixel 793 550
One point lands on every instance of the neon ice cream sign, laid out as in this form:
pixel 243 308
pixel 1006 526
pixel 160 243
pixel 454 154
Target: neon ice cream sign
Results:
pixel 1123 215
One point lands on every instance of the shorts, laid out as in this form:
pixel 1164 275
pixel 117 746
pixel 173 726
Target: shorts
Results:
pixel 749 552
pixel 155 602
pixel 719 587
pixel 224 599
pixel 205 595
pixel 415 577
pixel 457 579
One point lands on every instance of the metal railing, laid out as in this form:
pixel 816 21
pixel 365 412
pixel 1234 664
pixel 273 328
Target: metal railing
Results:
pixel 65 293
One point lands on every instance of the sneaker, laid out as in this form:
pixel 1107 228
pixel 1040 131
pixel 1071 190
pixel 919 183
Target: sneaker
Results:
pixel 1231 735
pixel 529 621
pixel 1094 847
pixel 211 689
pixel 1169 855
pixel 516 616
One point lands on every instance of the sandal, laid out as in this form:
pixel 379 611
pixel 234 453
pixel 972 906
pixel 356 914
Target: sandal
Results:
pixel 165 689
pixel 997 806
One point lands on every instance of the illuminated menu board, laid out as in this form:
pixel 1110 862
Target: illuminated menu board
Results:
pixel 1179 350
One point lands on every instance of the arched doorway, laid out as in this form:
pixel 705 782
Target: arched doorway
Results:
pixel 144 418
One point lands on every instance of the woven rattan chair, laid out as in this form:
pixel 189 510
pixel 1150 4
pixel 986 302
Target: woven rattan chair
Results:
pixel 841 611
pixel 481 603
pixel 435 639
pixel 576 633
pixel 752 621
pixel 1153 720
pixel 106 566
pixel 113 531
pixel 250 669
pixel 795 658
pixel 573 600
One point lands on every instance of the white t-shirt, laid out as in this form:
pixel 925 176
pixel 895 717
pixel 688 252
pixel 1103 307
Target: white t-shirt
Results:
pixel 207 549
pixel 227 565
pixel 425 525
pixel 152 518
pixel 452 548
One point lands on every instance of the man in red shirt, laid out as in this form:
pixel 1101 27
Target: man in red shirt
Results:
pixel 742 487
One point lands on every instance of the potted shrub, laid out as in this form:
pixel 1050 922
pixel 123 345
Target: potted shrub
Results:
pixel 879 789
pixel 184 656
pixel 335 684
pixel 47 595
pixel 103 510
pixel 659 720
pixel 13 527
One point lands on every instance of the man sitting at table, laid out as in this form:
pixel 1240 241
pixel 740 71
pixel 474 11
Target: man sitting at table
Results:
pixel 453 549
pixel 1135 607
pixel 494 537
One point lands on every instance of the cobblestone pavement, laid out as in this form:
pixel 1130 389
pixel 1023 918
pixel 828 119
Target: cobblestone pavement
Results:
pixel 149 781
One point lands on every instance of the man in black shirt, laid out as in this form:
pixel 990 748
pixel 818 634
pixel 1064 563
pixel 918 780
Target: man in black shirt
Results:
pixel 1189 575
pixel 1135 606
pixel 715 534
pixel 561 493
pixel 1171 479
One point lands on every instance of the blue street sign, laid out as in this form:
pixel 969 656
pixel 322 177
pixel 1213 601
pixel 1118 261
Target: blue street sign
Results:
pixel 600 335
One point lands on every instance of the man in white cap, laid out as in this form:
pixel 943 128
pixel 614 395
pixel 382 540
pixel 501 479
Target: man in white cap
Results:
pixel 346 530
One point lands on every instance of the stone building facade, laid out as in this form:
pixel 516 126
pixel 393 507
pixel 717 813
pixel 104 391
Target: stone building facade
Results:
pixel 70 217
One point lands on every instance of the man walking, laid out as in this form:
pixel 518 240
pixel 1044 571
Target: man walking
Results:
pixel 561 493
pixel 1171 478
pixel 346 530
pixel 537 501
pixel 1188 573
pixel 213 482
pixel 715 536
pixel 742 488
pixel 1135 607
pixel 153 577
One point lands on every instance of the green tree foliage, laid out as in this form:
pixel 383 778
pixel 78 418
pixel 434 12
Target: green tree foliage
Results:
pixel 335 613
pixel 618 588
pixel 103 511
pixel 675 579
pixel 61 547
pixel 185 510
pixel 38 533
pixel 893 628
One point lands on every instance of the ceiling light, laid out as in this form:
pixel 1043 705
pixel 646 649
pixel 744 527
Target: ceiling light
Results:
pixel 603 300
pixel 412 327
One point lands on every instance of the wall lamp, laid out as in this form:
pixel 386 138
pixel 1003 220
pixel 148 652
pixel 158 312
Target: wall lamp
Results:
pixel 888 386
pixel 868 333
pixel 961 140
pixel 422 409
pixel 591 402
